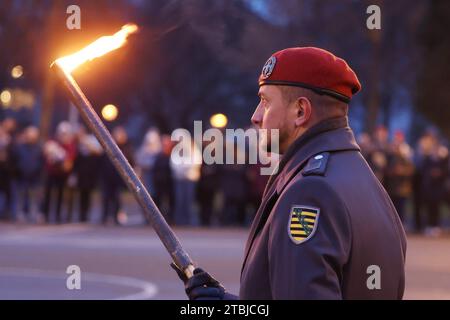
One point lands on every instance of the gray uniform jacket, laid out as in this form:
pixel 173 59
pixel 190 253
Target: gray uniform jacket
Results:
pixel 326 228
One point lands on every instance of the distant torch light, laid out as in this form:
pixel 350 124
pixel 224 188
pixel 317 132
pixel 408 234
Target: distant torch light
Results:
pixel 5 98
pixel 110 112
pixel 218 120
pixel 17 72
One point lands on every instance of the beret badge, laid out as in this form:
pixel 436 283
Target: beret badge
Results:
pixel 268 67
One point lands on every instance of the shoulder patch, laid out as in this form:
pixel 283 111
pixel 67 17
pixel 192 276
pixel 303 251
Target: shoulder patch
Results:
pixel 316 165
pixel 303 223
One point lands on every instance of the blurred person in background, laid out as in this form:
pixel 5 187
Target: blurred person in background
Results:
pixel 112 183
pixel 434 175
pixel 377 157
pixel 146 157
pixel 30 161
pixel 206 190
pixel 7 168
pixel 235 188
pixel 86 170
pixel 59 155
pixel 163 180
pixel 423 150
pixel 365 143
pixel 10 127
pixel 400 170
pixel 186 175
pixel 447 183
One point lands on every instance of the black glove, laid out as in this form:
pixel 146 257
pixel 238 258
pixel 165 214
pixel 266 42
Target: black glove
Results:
pixel 201 286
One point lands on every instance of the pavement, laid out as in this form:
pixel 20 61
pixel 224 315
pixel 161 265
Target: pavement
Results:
pixel 130 262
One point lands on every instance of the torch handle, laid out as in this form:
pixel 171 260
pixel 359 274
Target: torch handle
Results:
pixel 152 213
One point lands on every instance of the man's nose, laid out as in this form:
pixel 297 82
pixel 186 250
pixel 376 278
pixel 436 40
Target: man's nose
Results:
pixel 257 117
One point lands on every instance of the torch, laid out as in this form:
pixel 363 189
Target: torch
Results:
pixel 63 68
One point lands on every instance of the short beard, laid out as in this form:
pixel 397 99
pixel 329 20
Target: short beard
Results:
pixel 282 140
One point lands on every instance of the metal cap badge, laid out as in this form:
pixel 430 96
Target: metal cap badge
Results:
pixel 268 67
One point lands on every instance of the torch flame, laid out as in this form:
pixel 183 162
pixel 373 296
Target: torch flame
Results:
pixel 97 48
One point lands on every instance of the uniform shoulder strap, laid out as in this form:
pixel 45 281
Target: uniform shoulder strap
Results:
pixel 316 165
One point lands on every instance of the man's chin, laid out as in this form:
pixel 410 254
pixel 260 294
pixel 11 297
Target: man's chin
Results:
pixel 265 146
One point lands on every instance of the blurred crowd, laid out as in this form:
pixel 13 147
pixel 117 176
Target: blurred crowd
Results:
pixel 55 181
pixel 417 180
pixel 59 180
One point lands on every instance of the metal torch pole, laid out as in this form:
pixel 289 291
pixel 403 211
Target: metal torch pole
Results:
pixel 92 120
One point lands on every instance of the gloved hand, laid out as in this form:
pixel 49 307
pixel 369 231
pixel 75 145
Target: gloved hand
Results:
pixel 201 286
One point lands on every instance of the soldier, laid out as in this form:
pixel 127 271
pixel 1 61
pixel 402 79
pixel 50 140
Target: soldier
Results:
pixel 325 222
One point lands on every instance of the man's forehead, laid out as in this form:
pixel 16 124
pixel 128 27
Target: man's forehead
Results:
pixel 268 90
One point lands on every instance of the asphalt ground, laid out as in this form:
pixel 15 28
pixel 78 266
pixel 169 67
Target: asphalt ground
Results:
pixel 131 263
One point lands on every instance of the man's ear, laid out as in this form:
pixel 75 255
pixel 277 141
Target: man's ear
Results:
pixel 303 108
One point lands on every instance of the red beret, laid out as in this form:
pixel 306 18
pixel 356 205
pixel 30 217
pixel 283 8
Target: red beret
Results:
pixel 311 68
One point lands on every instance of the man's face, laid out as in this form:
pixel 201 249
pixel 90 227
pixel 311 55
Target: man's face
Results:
pixel 31 135
pixel 382 134
pixel 271 113
pixel 120 135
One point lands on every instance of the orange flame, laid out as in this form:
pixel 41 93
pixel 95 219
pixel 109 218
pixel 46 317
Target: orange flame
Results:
pixel 97 48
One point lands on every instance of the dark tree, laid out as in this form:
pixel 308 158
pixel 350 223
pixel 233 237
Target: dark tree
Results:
pixel 433 81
